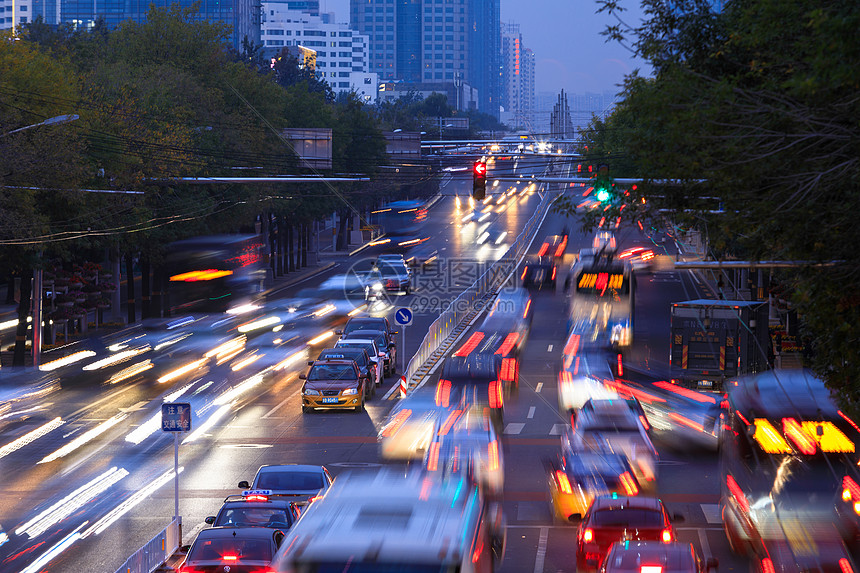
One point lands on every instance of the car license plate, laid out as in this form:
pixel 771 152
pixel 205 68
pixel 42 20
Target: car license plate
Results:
pixel 332 400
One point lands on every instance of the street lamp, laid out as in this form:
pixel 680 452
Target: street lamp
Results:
pixel 37 273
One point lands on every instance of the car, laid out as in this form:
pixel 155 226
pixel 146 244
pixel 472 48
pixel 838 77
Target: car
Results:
pixel 576 478
pixel 395 260
pixel 237 549
pixel 604 243
pixel 466 441
pixel 375 324
pixel 409 428
pixel 472 380
pixel 298 481
pixel 376 355
pixel 539 273
pixel 384 343
pixel 614 518
pixel 616 406
pixel 553 246
pixel 675 557
pixel 333 383
pixel 617 430
pixel 370 370
pixel 386 277
pixel 256 508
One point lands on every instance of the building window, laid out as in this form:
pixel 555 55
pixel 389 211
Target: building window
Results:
pixel 343 84
pixel 23 18
pixel 343 74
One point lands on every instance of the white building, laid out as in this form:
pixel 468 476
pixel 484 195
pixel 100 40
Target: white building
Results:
pixel 341 53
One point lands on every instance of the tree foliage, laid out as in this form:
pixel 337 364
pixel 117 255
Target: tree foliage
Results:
pixel 759 100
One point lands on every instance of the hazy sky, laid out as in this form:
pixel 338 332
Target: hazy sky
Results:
pixel 570 53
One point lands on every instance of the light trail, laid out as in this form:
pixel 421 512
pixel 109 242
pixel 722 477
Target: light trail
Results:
pixel 30 437
pixel 37 565
pixel 84 438
pixel 204 427
pixel 182 370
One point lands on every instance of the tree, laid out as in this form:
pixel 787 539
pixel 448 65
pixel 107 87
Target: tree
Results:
pixel 759 100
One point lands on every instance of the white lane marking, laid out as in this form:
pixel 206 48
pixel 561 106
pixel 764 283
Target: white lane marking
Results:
pixel 531 412
pixel 706 547
pixel 541 550
pixel 514 428
pixel 276 408
pixel 549 348
pixel 712 512
pixel 539 387
pixel 557 429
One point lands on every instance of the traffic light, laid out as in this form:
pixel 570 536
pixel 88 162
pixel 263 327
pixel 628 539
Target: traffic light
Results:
pixel 479 181
pixel 603 185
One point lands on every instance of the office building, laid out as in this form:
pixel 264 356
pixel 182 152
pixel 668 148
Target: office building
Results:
pixel 517 81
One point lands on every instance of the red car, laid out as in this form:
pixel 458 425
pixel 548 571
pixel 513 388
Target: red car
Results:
pixel 614 518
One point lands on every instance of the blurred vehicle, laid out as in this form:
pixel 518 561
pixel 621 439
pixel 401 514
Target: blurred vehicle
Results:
pixel 472 380
pixel 617 430
pixel 788 464
pixel 298 481
pixel 384 343
pixel 369 370
pixel 682 417
pixel 409 428
pixel 604 243
pixel 553 246
pixel 575 390
pixel 539 273
pixel 388 278
pixel 386 522
pixel 636 556
pixel 375 323
pixel 585 373
pixel 640 258
pixel 240 550
pixel 403 220
pixel 255 508
pixel 616 407
pixel 465 442
pixel 333 384
pixel 577 477
pixel 213 273
pixel 602 294
pixel 614 518
pixel 369 346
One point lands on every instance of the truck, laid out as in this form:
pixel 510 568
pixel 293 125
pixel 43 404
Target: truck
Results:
pixel 714 340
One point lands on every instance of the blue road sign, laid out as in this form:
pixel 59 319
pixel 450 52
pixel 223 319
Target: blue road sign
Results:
pixel 176 417
pixel 403 316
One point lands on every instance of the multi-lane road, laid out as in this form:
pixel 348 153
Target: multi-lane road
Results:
pixel 80 490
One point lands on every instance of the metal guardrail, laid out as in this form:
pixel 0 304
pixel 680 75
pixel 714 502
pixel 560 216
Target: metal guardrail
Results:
pixel 454 319
pixel 156 552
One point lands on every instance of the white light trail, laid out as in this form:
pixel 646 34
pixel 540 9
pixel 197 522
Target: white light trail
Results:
pixel 457 202
pixel 182 370
pixel 171 341
pixel 355 311
pixel 262 323
pixel 30 436
pixel 204 427
pixel 115 358
pixel 246 362
pixel 8 324
pixel 291 359
pixel 327 309
pixel 483 238
pixel 66 542
pixel 66 360
pixel 132 370
pixel 467 216
pixel 71 503
pixel 238 390
pixel 229 346
pixel 321 337
pixel 245 308
pixel 483 217
pixel 487 209
pixel 129 504
pixel 501 237
pixel 84 438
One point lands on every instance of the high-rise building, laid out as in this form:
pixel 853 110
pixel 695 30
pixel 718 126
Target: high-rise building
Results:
pixel 339 53
pixel 242 15
pixel 434 41
pixel 517 84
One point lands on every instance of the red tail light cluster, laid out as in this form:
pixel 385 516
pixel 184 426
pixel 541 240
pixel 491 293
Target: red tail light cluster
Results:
pixel 443 393
pixel 666 536
pixel 629 484
pixel 509 370
pixel 563 482
pixel 495 394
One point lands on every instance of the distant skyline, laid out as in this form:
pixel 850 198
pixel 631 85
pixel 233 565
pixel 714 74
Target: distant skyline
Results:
pixel 565 35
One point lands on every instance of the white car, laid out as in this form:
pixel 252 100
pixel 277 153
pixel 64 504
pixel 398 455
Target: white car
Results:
pixel 409 428
pixel 373 351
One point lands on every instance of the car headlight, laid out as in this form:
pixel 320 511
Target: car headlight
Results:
pixel 350 391
pixel 377 286
pixel 311 392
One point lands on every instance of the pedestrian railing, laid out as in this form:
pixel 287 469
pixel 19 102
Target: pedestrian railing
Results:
pixel 156 552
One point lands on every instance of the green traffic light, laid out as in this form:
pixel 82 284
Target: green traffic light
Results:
pixel 602 195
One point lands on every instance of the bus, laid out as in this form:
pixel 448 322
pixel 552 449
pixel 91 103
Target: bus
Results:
pixel 602 291
pixel 403 220
pixel 214 273
pixel 790 486
pixel 386 521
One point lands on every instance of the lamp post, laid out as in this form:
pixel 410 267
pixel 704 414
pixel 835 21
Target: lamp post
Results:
pixel 37 273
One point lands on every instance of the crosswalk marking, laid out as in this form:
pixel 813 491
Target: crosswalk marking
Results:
pixel 712 512
pixel 557 429
pixel 539 387
pixel 514 428
pixel 531 412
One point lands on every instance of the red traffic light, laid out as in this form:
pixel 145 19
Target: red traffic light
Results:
pixel 480 168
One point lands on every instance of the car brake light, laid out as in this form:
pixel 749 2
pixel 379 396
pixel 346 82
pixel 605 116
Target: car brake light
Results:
pixel 651 569
pixel 804 442
pixel 587 536
pixel 443 393
pixel 229 557
pixel 495 394
pixel 493 453
pixel 845 566
pixel 629 484
pixel 553 273
pixel 314 498
pixel 767 565
pixel 666 536
pixel 560 250
pixel 644 420
pixel 543 249
pixel 395 425
pixel 509 370
pixel 737 493
pixel 433 457
pixel 563 482
pixel 523 276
